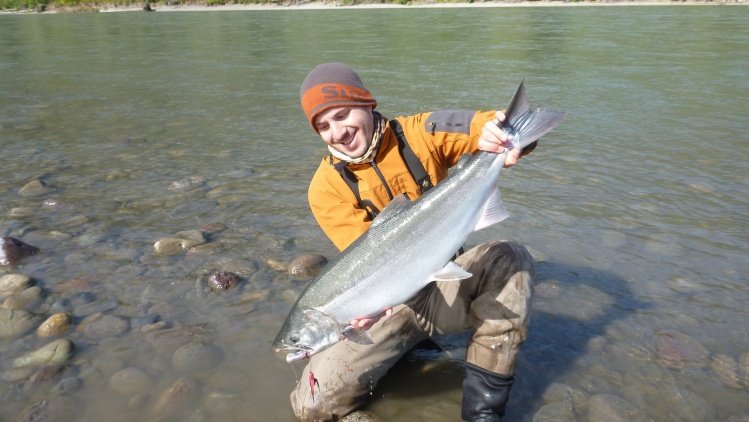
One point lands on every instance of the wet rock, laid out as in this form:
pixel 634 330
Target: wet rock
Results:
pixel 558 392
pixel 678 350
pixel 179 397
pixel 99 326
pixel 359 416
pixel 43 376
pixel 75 285
pixel 276 264
pixel 168 246
pixel 34 188
pixel 241 267
pixel 173 338
pixel 610 408
pixel 131 381
pixel 186 183
pixel 12 250
pixel 53 410
pixel 27 299
pixel 212 228
pixel 17 374
pixel 58 324
pixel 15 322
pixel 743 368
pixel 67 386
pixel 205 248
pixel 21 212
pixel 223 280
pixel 196 357
pixel 56 352
pixel 85 305
pixel 555 412
pixel 221 402
pixel 108 364
pixel 306 265
pixel 727 370
pixel 15 283
pixel 178 242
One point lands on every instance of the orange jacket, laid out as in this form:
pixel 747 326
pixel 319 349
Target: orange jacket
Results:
pixel 438 139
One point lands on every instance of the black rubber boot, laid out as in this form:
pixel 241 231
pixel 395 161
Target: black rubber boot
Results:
pixel 485 394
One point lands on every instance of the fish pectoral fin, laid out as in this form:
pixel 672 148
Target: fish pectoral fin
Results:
pixel 493 212
pixel 356 335
pixel 450 272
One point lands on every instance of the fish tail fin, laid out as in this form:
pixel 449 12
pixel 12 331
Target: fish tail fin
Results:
pixel 525 125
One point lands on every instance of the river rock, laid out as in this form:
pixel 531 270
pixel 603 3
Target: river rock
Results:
pixel 52 410
pixel 196 357
pixel 173 338
pixel 359 416
pixel 678 350
pixel 15 283
pixel 17 374
pixel 223 280
pixel 56 352
pixel 131 381
pixel 13 250
pixel 559 392
pixel 212 228
pixel 744 368
pixel 14 322
pixel 34 188
pixel 276 264
pixel 179 397
pixel 44 375
pixel 555 412
pixel 99 326
pixel 27 299
pixel 610 408
pixel 306 265
pixel 58 324
pixel 727 370
pixel 67 386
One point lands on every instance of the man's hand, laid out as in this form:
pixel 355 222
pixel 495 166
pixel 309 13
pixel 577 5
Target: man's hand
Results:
pixel 367 323
pixel 494 139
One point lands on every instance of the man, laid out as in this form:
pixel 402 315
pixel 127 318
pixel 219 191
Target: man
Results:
pixel 371 161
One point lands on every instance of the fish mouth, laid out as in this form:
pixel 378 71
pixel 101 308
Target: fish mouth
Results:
pixel 295 354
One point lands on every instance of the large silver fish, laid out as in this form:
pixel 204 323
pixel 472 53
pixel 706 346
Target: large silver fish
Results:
pixel 408 245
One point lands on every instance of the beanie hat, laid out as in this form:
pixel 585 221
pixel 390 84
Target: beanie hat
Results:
pixel 332 85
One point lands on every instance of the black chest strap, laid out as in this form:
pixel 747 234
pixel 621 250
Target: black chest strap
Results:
pixel 417 170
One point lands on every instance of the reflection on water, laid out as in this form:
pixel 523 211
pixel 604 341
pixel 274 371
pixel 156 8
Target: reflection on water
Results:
pixel 141 126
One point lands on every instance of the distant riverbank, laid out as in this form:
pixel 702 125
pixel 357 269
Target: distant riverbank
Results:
pixel 173 6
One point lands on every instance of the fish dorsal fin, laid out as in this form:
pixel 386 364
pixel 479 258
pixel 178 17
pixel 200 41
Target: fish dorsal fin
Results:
pixel 395 207
pixel 356 335
pixel 450 272
pixel 493 212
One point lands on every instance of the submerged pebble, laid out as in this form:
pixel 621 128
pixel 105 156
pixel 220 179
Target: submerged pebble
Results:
pixel 58 351
pixel 223 280
pixel 306 265
pixel 177 399
pixel 58 324
pixel 678 350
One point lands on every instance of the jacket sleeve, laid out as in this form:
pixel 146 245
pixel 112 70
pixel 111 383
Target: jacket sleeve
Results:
pixel 335 208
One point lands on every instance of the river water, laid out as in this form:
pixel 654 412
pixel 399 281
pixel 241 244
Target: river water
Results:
pixel 142 125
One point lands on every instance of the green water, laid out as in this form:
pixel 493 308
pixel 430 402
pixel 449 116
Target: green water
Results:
pixel 636 206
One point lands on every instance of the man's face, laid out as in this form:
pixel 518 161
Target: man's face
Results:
pixel 347 129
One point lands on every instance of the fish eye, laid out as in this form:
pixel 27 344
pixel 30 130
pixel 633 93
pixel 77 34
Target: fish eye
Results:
pixel 294 338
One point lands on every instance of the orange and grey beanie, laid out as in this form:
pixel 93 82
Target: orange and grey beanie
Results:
pixel 332 85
